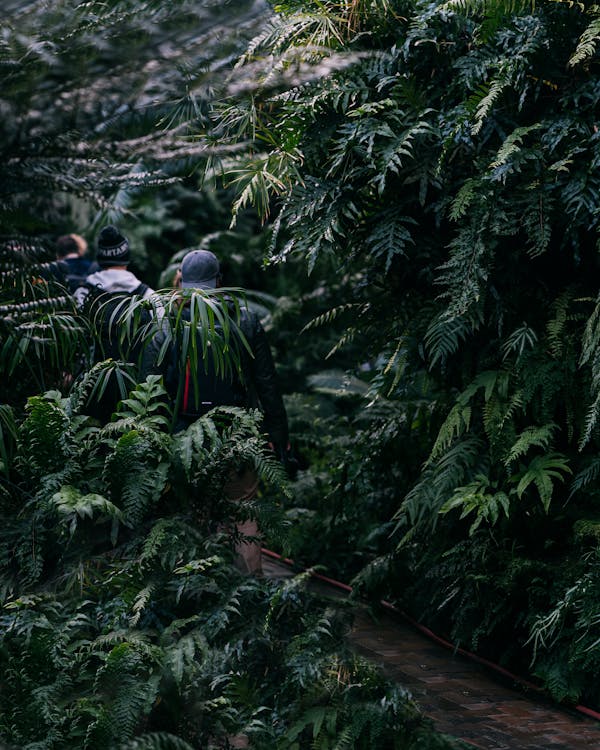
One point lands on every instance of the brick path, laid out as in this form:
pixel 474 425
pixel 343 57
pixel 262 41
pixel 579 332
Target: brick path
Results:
pixel 464 699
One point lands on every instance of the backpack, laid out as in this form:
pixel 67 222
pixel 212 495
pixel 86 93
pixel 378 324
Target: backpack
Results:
pixel 74 272
pixel 207 387
pixel 102 309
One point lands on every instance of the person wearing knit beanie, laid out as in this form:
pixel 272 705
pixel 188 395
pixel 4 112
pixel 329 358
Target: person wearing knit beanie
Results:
pixel 103 299
pixel 113 256
pixel 112 248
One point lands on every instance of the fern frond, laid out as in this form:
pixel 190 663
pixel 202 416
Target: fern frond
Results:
pixel 422 504
pixel 539 436
pixel 455 425
pixel 588 42
pixel 458 420
pixel 478 497
pixel 464 198
pixel 259 179
pixel 332 314
pixel 482 102
pixel 465 273
pixel 127 697
pixel 346 338
pixel 512 144
pixel 586 476
pixel 8 438
pixel 445 335
pixel 315 27
pixel 147 403
pixel 72 505
pixel 44 434
pixel 591 422
pixel 519 341
pixel 489 7
pixel 390 238
pixel 181 656
pixel 136 472
pixel 557 325
pixel 140 603
pixel 391 158
pixel 542 471
pixel 317 206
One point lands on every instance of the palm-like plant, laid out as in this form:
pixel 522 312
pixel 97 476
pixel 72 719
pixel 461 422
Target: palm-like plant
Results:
pixel 92 101
pixel 98 102
pixel 42 337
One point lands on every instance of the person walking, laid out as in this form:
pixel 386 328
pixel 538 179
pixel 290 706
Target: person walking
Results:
pixel 254 385
pixel 71 250
pixel 113 277
pixel 103 298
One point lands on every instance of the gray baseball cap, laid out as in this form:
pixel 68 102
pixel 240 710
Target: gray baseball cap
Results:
pixel 200 270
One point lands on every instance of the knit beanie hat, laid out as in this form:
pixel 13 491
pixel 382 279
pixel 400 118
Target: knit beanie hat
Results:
pixel 113 248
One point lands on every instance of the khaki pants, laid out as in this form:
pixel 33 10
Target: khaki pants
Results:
pixel 241 486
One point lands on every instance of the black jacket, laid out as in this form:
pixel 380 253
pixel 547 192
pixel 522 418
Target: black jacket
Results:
pixel 76 270
pixel 258 369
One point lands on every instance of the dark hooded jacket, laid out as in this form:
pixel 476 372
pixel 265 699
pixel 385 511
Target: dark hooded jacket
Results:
pixel 260 378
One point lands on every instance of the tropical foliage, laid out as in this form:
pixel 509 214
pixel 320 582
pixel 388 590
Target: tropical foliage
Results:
pixel 99 103
pixel 99 100
pixel 441 159
pixel 123 622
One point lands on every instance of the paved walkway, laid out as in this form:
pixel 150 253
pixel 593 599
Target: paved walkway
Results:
pixel 463 698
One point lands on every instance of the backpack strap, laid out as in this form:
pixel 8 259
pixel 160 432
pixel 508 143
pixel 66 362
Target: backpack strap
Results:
pixel 93 292
pixel 186 388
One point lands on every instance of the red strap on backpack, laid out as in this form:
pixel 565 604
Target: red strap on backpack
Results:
pixel 186 387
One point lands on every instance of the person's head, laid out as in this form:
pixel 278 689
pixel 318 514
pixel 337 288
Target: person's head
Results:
pixel 200 269
pixel 70 244
pixel 112 248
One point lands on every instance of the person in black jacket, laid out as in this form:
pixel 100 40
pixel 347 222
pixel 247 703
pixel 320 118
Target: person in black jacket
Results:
pixel 71 250
pixel 257 388
pixel 102 298
pixel 111 275
pixel 200 269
